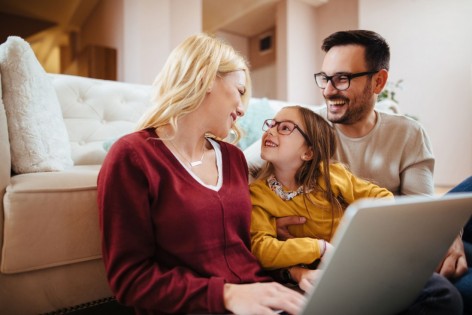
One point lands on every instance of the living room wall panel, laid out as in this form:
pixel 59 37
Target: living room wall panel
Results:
pixel 431 51
pixel 143 32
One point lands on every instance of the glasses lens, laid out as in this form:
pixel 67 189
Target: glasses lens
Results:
pixel 321 80
pixel 340 82
pixel 285 128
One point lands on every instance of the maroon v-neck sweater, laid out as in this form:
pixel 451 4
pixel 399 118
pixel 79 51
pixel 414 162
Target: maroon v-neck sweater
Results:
pixel 169 243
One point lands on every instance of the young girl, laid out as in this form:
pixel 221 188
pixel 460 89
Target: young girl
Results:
pixel 299 178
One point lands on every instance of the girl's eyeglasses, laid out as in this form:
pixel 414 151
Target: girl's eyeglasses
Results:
pixel 284 128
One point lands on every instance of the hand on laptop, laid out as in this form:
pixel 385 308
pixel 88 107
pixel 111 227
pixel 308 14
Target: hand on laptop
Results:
pixel 306 278
pixel 262 298
pixel 454 264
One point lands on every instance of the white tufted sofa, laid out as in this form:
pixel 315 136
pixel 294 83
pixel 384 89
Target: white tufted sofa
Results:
pixel 51 254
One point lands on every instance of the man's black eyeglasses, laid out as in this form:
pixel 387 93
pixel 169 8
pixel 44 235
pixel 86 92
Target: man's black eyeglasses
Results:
pixel 340 81
pixel 284 128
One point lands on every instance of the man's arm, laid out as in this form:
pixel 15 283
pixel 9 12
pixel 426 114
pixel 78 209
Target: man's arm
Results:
pixel 417 179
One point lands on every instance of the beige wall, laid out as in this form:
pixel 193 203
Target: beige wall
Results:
pixel 335 15
pixel 295 60
pixel 264 77
pixel 431 46
pixel 300 29
pixel 143 31
pixel 104 27
pixel 152 29
pixel 301 52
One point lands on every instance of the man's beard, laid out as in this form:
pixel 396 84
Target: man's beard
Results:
pixel 353 114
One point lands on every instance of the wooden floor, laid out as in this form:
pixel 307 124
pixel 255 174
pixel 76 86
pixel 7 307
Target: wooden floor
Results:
pixel 441 190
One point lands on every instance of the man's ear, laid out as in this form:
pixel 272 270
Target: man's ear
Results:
pixel 308 155
pixel 380 81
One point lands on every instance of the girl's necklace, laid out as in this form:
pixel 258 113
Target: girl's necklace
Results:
pixel 276 187
pixel 191 163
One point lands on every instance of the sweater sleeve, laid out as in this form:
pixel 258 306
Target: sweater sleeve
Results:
pixel 125 194
pixel 353 188
pixel 271 252
pixel 417 176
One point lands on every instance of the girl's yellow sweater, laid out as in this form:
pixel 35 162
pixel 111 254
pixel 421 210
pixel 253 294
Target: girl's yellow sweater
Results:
pixel 320 224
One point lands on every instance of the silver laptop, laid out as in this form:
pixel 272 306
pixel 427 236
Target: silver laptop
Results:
pixel 385 251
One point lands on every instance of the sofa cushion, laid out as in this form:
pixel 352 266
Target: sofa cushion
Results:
pixel 96 111
pixel 50 219
pixel 38 137
pixel 259 109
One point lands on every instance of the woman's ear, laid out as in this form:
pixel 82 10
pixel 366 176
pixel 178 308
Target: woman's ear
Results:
pixel 210 87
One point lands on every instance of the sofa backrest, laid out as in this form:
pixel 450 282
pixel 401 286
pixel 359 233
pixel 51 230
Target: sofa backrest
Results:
pixel 96 112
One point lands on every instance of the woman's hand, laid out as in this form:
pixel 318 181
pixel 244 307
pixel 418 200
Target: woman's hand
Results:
pixel 262 298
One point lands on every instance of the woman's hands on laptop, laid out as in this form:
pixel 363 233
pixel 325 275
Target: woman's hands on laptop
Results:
pixel 262 298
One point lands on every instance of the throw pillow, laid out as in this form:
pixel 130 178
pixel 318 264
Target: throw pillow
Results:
pixel 258 110
pixel 109 142
pixel 38 137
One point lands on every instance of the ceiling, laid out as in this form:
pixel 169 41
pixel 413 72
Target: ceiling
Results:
pixel 67 14
pixel 48 23
pixel 242 17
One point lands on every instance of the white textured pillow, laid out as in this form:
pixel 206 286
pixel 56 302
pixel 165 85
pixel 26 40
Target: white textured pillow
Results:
pixel 38 136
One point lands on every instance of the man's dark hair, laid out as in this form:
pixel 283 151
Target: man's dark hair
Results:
pixel 377 51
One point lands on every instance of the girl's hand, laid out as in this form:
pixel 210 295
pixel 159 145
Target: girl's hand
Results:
pixel 262 298
pixel 309 279
pixel 329 249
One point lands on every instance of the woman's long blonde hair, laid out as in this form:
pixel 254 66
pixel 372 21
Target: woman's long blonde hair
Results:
pixel 189 71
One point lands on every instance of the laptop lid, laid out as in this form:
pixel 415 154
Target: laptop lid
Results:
pixel 385 251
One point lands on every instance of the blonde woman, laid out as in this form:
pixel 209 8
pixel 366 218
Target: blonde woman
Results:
pixel 174 203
